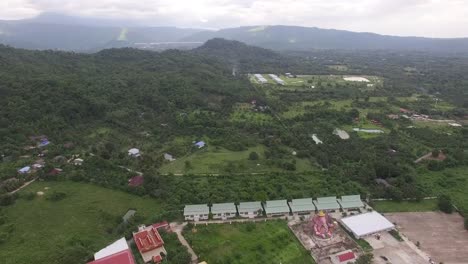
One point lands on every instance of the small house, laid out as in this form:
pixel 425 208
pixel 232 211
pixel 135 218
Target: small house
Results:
pixel 328 204
pixel 276 208
pixel 168 157
pixel 250 209
pixel 223 211
pixel 134 152
pixel 78 162
pixel 200 144
pixel 196 212
pixel 351 202
pixel 136 181
pixel 302 206
pixel 24 170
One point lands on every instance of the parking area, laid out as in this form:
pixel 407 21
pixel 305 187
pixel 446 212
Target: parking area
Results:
pixel 389 250
pixel 441 236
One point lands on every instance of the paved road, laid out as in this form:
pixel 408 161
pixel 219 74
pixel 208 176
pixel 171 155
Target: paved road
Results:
pixel 177 228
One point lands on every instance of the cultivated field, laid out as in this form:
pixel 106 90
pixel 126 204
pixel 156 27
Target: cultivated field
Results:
pixel 44 231
pixel 440 235
pixel 268 242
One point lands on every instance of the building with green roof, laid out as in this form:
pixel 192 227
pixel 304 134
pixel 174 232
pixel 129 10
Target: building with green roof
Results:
pixel 223 210
pixel 351 202
pixel 276 208
pixel 196 212
pixel 302 206
pixel 250 209
pixel 327 204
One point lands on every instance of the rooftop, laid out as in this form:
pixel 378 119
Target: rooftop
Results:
pixel 327 203
pixel 300 205
pixel 276 206
pixel 249 206
pixel 117 246
pixel 196 209
pixel 148 239
pixel 350 201
pixel 122 257
pixel 366 224
pixel 223 208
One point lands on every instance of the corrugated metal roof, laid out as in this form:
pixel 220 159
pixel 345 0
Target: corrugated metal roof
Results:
pixel 276 206
pixel 351 201
pixel 326 203
pixel 300 205
pixel 223 208
pixel 196 209
pixel 249 206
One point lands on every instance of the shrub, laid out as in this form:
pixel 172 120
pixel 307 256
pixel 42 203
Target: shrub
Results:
pixel 253 155
pixel 29 196
pixel 445 204
pixel 466 223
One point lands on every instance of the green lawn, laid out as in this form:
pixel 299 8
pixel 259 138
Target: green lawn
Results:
pixel 214 160
pixel 265 242
pixel 52 231
pixel 451 181
pixel 405 206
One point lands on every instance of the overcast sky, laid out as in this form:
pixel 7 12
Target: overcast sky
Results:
pixel 431 18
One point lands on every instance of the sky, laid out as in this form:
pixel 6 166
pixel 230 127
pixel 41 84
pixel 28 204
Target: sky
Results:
pixel 430 18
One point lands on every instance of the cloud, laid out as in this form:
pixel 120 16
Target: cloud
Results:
pixel 434 18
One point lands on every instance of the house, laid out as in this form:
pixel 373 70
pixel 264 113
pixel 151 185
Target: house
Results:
pixel 136 181
pixel 196 212
pixel 168 157
pixel 351 202
pixel 149 244
pixel 116 253
pixel 327 204
pixel 164 225
pixel 134 152
pixel 276 208
pixel 302 206
pixel 24 170
pixel 223 211
pixel 54 171
pixel 362 225
pixel 200 144
pixel 78 162
pixel 37 166
pixel 44 142
pixel 250 209
pixel 343 257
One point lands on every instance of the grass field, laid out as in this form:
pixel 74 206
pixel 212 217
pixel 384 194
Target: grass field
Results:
pixel 214 160
pixel 266 242
pixel 451 181
pixel 44 230
pixel 405 206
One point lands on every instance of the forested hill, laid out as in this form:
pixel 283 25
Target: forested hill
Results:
pixel 309 38
pixel 59 93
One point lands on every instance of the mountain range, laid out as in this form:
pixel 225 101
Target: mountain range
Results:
pixel 55 31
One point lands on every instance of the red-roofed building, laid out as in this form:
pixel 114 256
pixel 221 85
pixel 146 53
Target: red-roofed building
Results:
pixel 164 225
pixel 122 257
pixel 149 243
pixel 136 181
pixel 347 256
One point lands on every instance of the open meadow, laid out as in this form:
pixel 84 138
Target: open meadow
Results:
pixel 41 230
pixel 263 242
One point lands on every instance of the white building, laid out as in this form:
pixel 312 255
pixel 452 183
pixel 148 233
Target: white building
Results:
pixel 117 246
pixel 366 224
pixel 260 78
pixel 223 211
pixel 134 152
pixel 196 212
pixel 250 209
pixel 276 79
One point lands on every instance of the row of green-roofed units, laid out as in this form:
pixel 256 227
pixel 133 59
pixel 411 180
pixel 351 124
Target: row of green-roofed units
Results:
pixel 272 208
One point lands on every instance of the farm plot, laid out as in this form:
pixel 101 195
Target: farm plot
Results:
pixel 266 242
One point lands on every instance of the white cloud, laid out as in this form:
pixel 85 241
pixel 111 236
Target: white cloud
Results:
pixel 437 18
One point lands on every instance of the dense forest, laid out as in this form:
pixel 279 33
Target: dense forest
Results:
pixel 100 105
